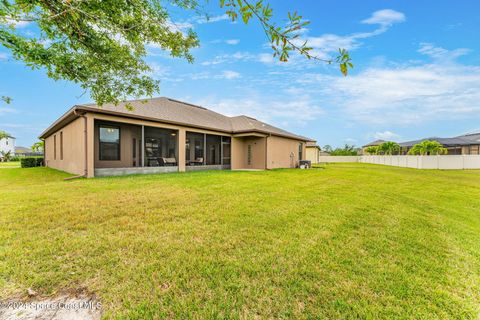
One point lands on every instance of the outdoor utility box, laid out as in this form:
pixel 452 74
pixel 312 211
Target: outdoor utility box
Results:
pixel 305 164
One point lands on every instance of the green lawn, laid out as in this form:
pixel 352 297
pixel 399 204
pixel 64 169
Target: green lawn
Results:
pixel 348 241
pixel 10 164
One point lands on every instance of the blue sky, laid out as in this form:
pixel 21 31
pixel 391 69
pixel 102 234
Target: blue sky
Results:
pixel 417 73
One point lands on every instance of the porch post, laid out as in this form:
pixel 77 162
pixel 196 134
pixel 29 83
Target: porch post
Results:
pixel 221 150
pixel 143 146
pixel 182 136
pixel 204 149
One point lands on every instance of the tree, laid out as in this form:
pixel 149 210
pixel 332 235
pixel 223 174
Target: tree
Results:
pixel 428 147
pixel 101 44
pixel 38 146
pixel 371 150
pixel 327 148
pixel 389 147
pixel 4 135
pixel 6 156
pixel 347 150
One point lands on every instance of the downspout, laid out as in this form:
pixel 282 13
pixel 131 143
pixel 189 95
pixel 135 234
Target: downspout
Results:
pixel 266 151
pixel 85 174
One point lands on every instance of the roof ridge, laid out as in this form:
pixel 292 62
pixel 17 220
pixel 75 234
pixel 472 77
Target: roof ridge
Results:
pixel 188 104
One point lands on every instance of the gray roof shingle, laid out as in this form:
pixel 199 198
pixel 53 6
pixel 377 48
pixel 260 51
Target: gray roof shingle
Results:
pixel 164 109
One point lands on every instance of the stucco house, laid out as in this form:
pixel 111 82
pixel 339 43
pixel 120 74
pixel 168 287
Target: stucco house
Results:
pixel 465 144
pixel 7 145
pixel 164 135
pixel 312 152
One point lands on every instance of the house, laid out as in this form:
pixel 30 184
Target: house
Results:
pixel 375 143
pixel 312 151
pixel 164 135
pixel 27 152
pixel 464 144
pixel 7 145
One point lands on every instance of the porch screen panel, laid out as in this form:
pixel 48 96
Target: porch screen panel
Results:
pixel 226 149
pixel 160 143
pixel 194 147
pixel 214 149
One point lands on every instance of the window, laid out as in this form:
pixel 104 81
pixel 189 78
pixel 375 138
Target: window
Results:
pixel 109 143
pixel 300 151
pixel 249 154
pixel 61 145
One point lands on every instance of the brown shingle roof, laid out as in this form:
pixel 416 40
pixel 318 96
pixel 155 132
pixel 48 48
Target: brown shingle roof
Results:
pixel 374 143
pixel 173 111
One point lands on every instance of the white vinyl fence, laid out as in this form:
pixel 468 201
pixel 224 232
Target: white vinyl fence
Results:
pixel 444 162
pixel 331 159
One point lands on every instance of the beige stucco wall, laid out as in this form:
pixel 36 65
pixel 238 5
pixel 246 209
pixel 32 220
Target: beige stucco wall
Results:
pixel 312 154
pixel 283 152
pixel 240 152
pixel 73 148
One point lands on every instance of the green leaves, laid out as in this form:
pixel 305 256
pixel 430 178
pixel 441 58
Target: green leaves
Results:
pixel 6 99
pixel 388 148
pixel 344 61
pixel 99 44
pixel 428 147
pixel 38 146
pixel 3 135
pixel 283 40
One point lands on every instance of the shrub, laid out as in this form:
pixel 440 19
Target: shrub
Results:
pixel 30 162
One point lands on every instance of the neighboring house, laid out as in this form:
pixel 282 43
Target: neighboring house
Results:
pixel 164 135
pixel 312 151
pixel 26 152
pixel 22 151
pixel 375 143
pixel 7 145
pixel 464 144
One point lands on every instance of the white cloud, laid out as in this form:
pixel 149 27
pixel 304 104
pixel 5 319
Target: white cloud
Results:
pixel 386 135
pixel 4 110
pixel 212 19
pixel 285 111
pixel 232 41
pixel 328 43
pixel 17 23
pixel 441 54
pixel 229 75
pixel 412 93
pixel 385 17
pixel 3 56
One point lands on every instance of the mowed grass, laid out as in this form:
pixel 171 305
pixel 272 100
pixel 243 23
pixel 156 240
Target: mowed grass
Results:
pixel 10 164
pixel 343 242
